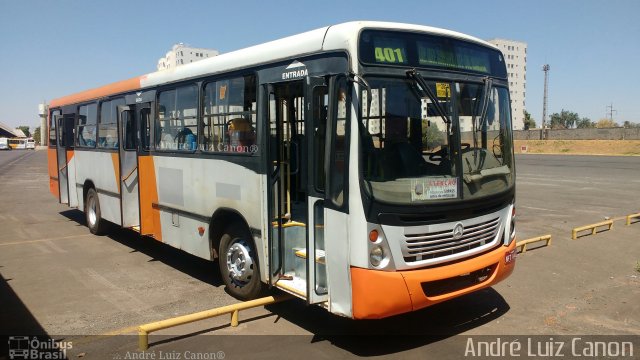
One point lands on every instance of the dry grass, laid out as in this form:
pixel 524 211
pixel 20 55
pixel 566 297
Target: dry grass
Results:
pixel 579 147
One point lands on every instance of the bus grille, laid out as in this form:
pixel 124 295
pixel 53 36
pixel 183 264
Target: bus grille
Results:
pixel 437 244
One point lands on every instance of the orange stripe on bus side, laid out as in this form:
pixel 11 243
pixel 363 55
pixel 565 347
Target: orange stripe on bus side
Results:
pixel 115 159
pixel 149 217
pixel 69 156
pixel 52 166
pixel 115 88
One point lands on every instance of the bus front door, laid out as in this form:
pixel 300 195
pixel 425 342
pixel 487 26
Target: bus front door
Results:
pixel 129 180
pixel 297 117
pixel 287 184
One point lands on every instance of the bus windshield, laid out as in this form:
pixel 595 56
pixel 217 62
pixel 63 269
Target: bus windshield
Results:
pixel 418 149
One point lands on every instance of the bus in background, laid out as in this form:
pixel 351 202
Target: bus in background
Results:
pixel 4 144
pixel 30 144
pixel 367 166
pixel 18 143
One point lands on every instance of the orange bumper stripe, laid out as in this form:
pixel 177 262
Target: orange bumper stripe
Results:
pixel 377 294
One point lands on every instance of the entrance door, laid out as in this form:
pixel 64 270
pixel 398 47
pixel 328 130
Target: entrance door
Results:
pixel 129 179
pixel 287 191
pixel 64 135
pixel 297 122
pixel 317 105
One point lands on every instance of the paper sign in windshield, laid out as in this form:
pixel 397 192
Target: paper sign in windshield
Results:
pixel 434 188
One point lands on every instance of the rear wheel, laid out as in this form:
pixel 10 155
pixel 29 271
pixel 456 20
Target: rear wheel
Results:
pixel 96 224
pixel 238 263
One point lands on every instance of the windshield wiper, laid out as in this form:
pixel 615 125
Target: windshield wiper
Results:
pixel 482 106
pixel 488 83
pixel 424 87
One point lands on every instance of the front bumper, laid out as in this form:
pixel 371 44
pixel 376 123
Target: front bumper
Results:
pixel 378 294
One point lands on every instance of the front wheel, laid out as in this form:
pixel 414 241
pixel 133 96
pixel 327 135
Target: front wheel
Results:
pixel 239 263
pixel 96 224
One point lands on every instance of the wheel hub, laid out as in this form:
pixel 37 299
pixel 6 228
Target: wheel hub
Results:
pixel 239 262
pixel 91 210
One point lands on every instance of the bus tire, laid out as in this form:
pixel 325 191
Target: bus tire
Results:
pixel 238 263
pixel 96 224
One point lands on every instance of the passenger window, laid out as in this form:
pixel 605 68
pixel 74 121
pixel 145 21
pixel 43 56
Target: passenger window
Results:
pixel 108 128
pixel 177 127
pixel 87 126
pixel 229 121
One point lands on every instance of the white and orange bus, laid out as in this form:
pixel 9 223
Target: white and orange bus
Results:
pixel 366 166
pixel 22 143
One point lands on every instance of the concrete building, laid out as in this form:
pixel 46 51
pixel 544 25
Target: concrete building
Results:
pixel 181 54
pixel 9 132
pixel 515 54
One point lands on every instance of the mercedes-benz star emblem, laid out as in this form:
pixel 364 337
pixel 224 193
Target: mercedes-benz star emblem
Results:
pixel 458 230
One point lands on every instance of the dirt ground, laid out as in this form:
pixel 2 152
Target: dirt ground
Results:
pixel 579 147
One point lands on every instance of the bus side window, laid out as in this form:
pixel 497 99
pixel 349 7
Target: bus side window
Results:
pixel 229 119
pixel 86 127
pixel 177 125
pixel 108 129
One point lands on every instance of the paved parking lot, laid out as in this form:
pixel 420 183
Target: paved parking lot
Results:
pixel 59 279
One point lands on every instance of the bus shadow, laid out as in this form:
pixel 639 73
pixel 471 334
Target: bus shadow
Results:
pixel 201 269
pixel 398 333
pixel 19 328
pixel 15 317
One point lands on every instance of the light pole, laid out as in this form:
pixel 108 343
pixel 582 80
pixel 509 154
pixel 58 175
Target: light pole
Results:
pixel 546 69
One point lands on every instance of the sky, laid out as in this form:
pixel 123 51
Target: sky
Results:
pixel 49 49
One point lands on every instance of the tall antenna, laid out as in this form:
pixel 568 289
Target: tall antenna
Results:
pixel 546 69
pixel 610 111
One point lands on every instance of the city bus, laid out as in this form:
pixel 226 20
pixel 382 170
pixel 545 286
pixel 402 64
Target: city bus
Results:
pixel 366 167
pixel 22 143
pixel 4 144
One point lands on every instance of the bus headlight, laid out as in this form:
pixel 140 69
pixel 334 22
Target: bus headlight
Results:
pixel 376 255
pixel 511 235
pixel 512 225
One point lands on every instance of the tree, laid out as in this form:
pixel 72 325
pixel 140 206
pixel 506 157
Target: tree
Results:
pixel 529 123
pixel 565 120
pixel 629 125
pixel 36 135
pixel 606 123
pixel 25 130
pixel 585 123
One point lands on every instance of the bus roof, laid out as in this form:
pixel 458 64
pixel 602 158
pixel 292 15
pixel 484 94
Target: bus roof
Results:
pixel 336 37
